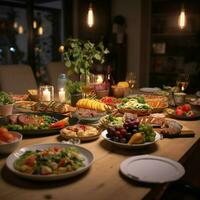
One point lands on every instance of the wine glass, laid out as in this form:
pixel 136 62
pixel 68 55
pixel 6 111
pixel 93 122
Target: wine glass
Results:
pixel 182 81
pixel 131 79
pixel 87 85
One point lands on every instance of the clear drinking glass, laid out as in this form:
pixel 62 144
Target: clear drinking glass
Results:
pixel 183 81
pixel 131 79
pixel 87 84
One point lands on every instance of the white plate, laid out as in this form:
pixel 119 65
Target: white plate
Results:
pixel 130 146
pixel 152 169
pixel 155 89
pixel 87 155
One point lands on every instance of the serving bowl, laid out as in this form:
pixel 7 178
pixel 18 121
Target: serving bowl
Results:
pixel 33 94
pixel 119 91
pixel 7 148
pixel 102 93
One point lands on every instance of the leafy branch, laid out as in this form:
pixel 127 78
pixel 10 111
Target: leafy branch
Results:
pixel 79 55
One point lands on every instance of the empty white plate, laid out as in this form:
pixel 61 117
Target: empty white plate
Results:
pixel 152 169
pixel 155 89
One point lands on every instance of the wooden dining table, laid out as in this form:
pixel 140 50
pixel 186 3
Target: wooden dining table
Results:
pixel 103 180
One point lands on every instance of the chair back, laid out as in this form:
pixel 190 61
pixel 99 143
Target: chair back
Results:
pixel 54 69
pixel 17 79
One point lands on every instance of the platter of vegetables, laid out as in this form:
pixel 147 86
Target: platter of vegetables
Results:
pixel 37 124
pixel 128 132
pixel 136 105
pixel 183 112
pixel 49 162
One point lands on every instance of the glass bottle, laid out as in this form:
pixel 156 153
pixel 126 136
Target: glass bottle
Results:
pixel 62 79
pixel 63 94
pixel 109 79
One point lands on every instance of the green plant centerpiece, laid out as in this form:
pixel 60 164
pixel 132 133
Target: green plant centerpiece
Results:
pixel 5 98
pixel 6 104
pixel 75 90
pixel 73 87
pixel 79 56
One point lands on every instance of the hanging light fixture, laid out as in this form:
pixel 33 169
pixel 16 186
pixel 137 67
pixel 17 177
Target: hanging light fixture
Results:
pixel 90 16
pixel 40 30
pixel 20 29
pixel 15 24
pixel 182 18
pixel 35 24
pixel 61 48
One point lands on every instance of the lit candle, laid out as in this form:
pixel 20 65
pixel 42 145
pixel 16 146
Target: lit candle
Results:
pixel 61 94
pixel 46 96
pixel 99 79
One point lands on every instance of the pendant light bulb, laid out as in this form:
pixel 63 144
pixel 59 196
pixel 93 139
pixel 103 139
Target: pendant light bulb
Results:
pixel 40 30
pixel 182 19
pixel 90 16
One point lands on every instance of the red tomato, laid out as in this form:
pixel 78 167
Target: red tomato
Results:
pixel 179 112
pixel 30 161
pixel 179 107
pixel 60 124
pixel 62 162
pixel 186 107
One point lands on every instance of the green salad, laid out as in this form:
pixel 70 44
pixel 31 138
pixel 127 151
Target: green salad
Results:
pixel 134 103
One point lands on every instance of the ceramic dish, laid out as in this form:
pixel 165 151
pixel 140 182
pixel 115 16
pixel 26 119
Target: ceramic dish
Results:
pixel 41 132
pixel 7 148
pixel 155 89
pixel 88 120
pixel 81 138
pixel 86 154
pixel 183 117
pixel 129 146
pixel 152 169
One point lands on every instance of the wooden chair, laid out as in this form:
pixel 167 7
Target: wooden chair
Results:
pixel 54 69
pixel 17 79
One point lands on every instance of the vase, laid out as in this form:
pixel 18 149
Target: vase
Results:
pixel 75 98
pixel 6 110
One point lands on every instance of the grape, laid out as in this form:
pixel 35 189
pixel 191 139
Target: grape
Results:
pixel 129 129
pixel 123 131
pixel 123 140
pixel 117 133
pixel 111 130
pixel 116 139
pixel 128 135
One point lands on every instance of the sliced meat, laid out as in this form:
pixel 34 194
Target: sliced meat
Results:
pixel 13 119
pixel 27 120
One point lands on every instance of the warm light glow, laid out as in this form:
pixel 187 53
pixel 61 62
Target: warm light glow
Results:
pixel 99 79
pixel 61 48
pixel 61 95
pixel 182 19
pixel 40 30
pixel 46 95
pixel 15 25
pixel 20 29
pixel 34 24
pixel 90 17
